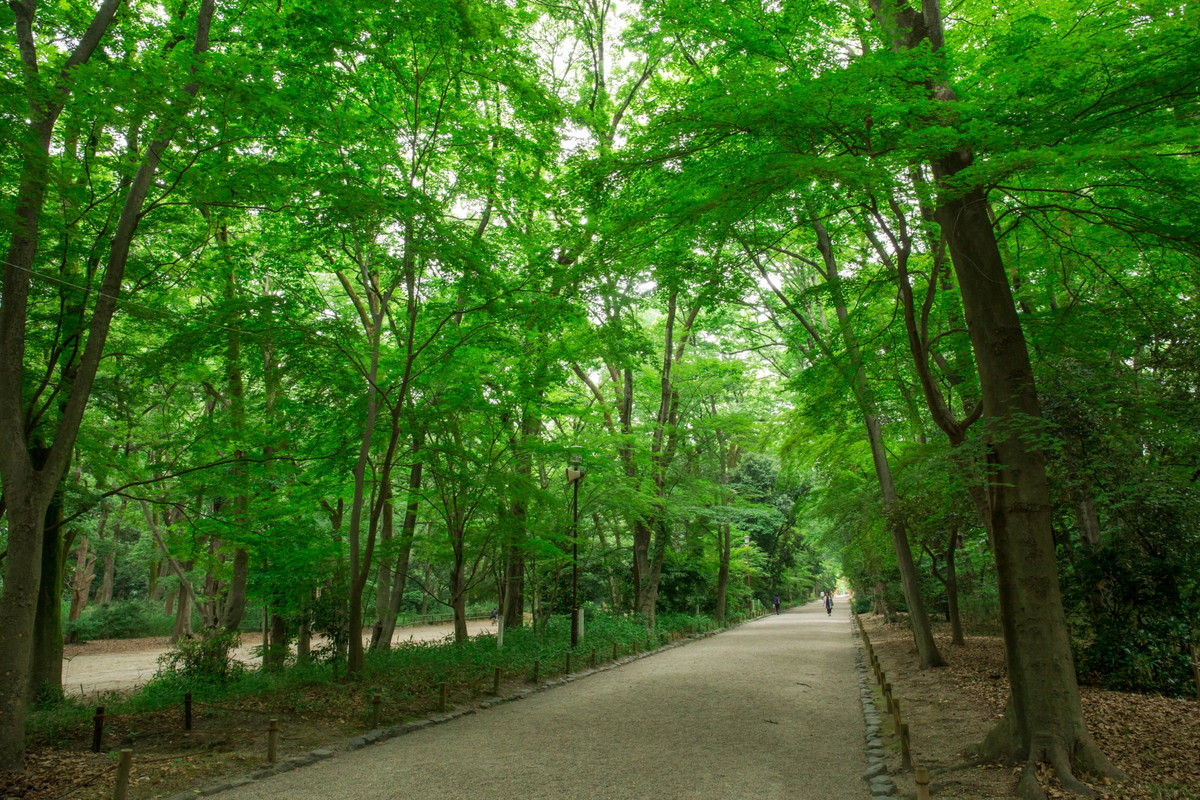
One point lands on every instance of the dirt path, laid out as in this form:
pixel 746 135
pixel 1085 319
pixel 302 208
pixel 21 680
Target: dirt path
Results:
pixel 768 711
pixel 123 664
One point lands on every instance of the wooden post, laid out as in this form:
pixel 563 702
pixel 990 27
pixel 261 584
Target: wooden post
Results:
pixel 496 682
pixel 272 740
pixel 187 711
pixel 121 787
pixel 376 702
pixel 537 668
pixel 887 694
pixel 905 746
pixel 442 697
pixel 616 654
pixel 922 782
pixel 568 670
pixel 1196 669
pixel 593 660
pixel 98 729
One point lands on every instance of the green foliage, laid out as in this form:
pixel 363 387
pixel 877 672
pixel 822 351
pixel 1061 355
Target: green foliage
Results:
pixel 122 619
pixel 1135 618
pixel 206 658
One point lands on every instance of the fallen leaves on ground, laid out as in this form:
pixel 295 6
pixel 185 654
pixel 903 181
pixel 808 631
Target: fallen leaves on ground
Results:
pixel 1154 740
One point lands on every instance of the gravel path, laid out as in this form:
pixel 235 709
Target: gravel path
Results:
pixel 768 711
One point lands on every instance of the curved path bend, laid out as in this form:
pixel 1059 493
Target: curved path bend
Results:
pixel 767 711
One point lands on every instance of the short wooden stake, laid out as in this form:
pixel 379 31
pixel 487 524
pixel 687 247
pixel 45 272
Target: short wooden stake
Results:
pixel 442 696
pixel 496 682
pixel 592 663
pixel 905 747
pixel 1196 668
pixel 616 652
pixel 568 670
pixel 537 668
pixel 98 729
pixel 376 702
pixel 887 693
pixel 187 711
pixel 272 740
pixel 922 782
pixel 121 787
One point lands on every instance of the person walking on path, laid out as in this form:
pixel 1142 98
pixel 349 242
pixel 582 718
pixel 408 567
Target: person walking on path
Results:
pixel 829 603
pixel 769 710
pixel 776 604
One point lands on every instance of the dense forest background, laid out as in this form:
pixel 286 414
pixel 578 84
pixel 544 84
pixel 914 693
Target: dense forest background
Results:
pixel 310 306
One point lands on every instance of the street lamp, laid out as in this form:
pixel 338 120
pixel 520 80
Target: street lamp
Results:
pixel 574 478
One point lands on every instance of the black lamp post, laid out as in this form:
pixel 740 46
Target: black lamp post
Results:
pixel 574 478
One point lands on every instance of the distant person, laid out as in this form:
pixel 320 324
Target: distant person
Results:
pixel 829 603
pixel 495 613
pixel 776 604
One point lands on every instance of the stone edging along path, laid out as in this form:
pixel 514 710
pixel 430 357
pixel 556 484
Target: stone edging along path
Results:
pixel 876 776
pixel 383 734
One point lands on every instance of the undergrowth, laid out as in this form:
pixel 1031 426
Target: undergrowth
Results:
pixel 409 670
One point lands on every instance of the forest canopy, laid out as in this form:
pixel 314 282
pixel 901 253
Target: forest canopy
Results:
pixel 325 313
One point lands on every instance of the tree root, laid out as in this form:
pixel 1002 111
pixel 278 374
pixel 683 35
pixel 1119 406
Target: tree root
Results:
pixel 1056 755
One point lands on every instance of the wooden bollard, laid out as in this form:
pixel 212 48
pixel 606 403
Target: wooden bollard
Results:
pixel 616 652
pixel 537 668
pixel 442 691
pixel 376 702
pixel 922 782
pixel 568 669
pixel 187 711
pixel 496 682
pixel 592 662
pixel 98 729
pixel 121 787
pixel 272 740
pixel 905 747
pixel 887 694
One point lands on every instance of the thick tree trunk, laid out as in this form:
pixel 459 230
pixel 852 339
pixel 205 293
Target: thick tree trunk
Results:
pixel 1043 721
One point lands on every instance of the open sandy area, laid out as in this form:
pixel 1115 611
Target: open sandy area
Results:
pixel 123 664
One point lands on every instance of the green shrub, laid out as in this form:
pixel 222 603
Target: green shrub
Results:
pixel 123 619
pixel 206 658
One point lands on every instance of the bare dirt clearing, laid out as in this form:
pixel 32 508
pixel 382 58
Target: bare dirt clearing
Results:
pixel 118 665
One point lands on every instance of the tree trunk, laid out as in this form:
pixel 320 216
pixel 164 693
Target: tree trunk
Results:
pixel 408 529
pixel 45 677
pixel 458 590
pixel 82 578
pixel 922 629
pixel 1043 721
pixel 956 628
pixel 183 616
pixel 726 548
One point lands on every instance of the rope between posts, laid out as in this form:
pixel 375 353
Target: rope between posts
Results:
pixel 137 714
pixel 141 761
pixel 196 704
pixel 223 730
